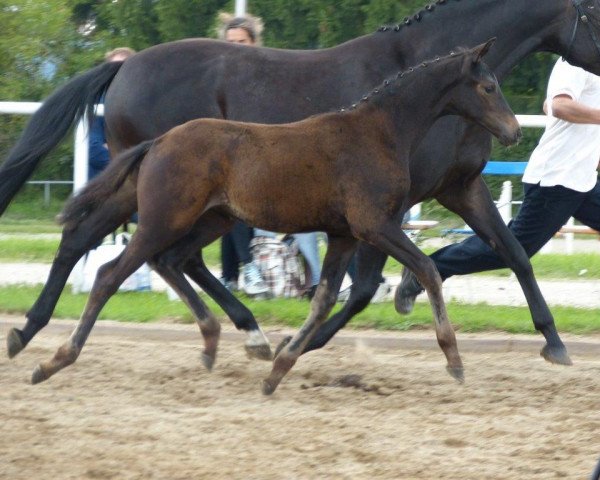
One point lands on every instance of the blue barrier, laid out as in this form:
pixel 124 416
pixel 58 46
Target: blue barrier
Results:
pixel 494 167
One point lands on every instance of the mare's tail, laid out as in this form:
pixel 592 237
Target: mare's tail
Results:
pixel 96 192
pixel 49 125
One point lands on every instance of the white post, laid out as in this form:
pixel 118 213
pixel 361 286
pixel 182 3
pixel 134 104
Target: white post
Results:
pixel 240 8
pixel 80 160
pixel 569 237
pixel 415 212
pixel 505 201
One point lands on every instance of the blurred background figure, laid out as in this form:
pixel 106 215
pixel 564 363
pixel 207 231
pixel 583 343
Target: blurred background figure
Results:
pixel 246 30
pixel 235 245
pixel 98 156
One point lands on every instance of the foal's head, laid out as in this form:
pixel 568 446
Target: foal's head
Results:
pixel 478 97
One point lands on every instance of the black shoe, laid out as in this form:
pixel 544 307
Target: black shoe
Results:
pixel 406 292
pixel 310 293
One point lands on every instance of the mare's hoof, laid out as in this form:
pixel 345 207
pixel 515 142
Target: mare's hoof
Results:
pixel 207 361
pixel 556 355
pixel 458 373
pixel 260 352
pixel 38 375
pixel 14 342
pixel 267 387
pixel 282 344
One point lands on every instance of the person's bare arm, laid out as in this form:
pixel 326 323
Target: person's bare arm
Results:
pixel 569 110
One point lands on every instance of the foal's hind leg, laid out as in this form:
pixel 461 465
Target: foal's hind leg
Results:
pixel 108 279
pixel 257 345
pixel 339 252
pixel 392 240
pixel 207 322
pixel 169 265
pixel 73 245
pixel 110 276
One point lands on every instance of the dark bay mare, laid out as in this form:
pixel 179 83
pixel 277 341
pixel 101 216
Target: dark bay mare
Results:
pixel 352 165
pixel 169 84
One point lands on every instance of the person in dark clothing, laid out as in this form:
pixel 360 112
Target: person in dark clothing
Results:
pixel 98 156
pixel 235 245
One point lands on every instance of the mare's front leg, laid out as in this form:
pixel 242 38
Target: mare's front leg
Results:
pixel 339 253
pixel 474 204
pixel 391 239
pixel 73 245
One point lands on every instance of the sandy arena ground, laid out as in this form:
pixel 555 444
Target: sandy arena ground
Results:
pixel 138 405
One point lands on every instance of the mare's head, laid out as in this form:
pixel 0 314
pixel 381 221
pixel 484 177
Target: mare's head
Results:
pixel 579 37
pixel 478 97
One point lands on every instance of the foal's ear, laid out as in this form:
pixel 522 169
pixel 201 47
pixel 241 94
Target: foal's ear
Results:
pixel 480 50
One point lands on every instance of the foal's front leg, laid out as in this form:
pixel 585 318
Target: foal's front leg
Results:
pixel 391 239
pixel 339 253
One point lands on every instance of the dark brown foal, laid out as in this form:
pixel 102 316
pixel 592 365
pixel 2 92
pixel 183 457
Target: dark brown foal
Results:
pixel 345 173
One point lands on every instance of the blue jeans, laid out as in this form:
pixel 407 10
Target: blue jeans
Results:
pixel 543 212
pixel 235 249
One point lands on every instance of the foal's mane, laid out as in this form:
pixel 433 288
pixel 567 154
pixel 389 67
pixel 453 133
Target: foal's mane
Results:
pixel 417 17
pixel 395 80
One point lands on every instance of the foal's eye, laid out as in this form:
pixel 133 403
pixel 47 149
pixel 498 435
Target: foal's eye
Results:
pixel 490 89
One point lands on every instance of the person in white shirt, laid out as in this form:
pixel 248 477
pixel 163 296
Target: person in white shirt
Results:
pixel 560 181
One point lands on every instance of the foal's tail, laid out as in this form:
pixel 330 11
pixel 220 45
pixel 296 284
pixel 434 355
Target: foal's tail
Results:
pixel 96 192
pixel 49 125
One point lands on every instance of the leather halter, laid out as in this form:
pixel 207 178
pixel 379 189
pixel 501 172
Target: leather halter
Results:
pixel 583 18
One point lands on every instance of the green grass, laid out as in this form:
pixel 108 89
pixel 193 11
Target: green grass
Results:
pixel 152 306
pixel 576 266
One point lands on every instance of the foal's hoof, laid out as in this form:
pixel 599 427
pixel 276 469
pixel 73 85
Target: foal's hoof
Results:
pixel 458 373
pixel 14 342
pixel 38 375
pixel 260 352
pixel 556 355
pixel 282 345
pixel 268 388
pixel 208 361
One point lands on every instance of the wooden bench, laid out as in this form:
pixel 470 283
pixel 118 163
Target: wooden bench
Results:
pixel 419 225
pixel 578 229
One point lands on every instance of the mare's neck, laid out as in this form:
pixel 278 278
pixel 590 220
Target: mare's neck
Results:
pixel 521 26
pixel 413 102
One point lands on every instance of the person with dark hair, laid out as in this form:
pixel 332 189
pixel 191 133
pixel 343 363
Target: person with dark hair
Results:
pixel 560 181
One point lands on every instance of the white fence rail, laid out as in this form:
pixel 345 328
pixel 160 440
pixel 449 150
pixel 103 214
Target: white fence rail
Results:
pixel 80 163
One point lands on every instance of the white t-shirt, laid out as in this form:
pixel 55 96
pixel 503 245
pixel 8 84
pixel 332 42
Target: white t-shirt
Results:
pixel 568 153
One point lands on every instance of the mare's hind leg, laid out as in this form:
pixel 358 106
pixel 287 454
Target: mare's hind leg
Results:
pixel 474 204
pixel 370 262
pixel 110 276
pixel 339 252
pixel 75 242
pixel 391 239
